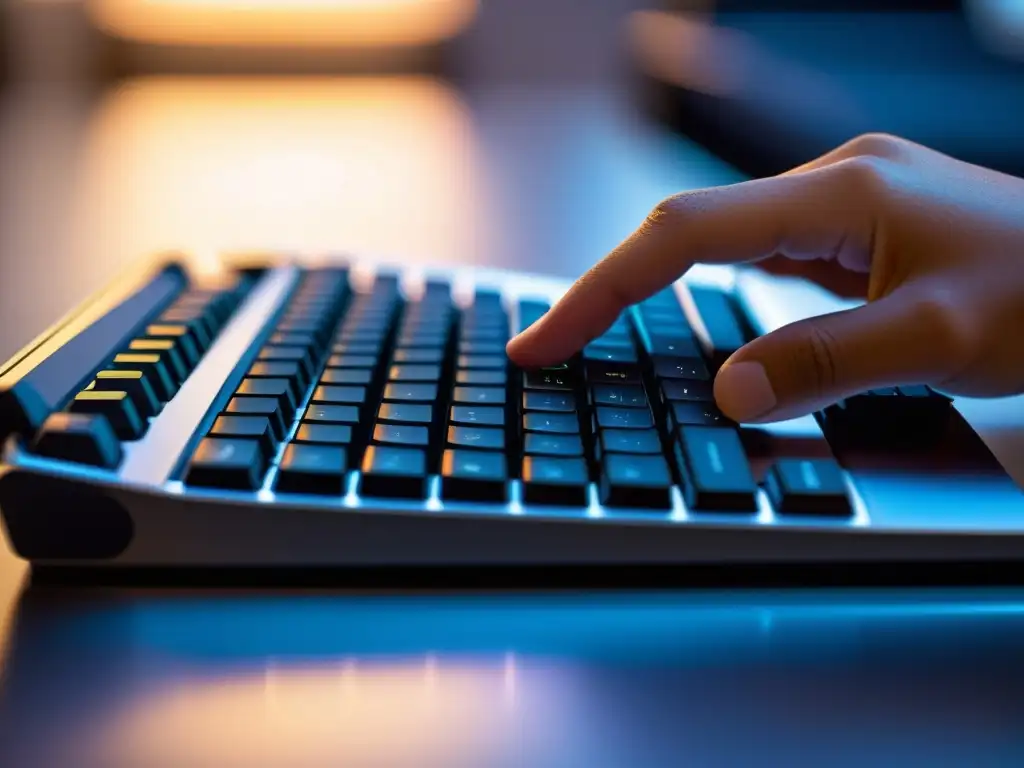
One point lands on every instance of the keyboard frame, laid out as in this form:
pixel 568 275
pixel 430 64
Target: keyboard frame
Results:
pixel 905 509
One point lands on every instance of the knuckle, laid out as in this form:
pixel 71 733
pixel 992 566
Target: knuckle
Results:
pixel 866 176
pixel 669 211
pixel 947 324
pixel 882 145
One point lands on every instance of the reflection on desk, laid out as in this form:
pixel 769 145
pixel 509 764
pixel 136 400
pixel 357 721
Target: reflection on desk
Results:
pixel 843 678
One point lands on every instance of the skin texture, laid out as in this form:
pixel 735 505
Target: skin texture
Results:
pixel 935 245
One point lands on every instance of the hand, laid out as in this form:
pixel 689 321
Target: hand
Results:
pixel 935 245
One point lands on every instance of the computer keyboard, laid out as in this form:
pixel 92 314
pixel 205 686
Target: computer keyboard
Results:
pixel 288 411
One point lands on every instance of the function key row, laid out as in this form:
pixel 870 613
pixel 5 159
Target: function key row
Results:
pixel 133 387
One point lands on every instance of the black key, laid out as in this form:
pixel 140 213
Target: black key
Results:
pixel 401 434
pixel 168 352
pixel 621 341
pixel 117 407
pixel 559 380
pixel 394 472
pixel 915 390
pixel 481 378
pixel 680 368
pixel 684 389
pixel 307 468
pixel 421 341
pixel 612 373
pixel 674 346
pixel 280 389
pixel 715 469
pixel 483 362
pixel 473 476
pixel 706 414
pixel 331 414
pixel 472 415
pixel 407 373
pixel 251 427
pixel 81 438
pixel 339 395
pixel 410 393
pixel 192 331
pixel 302 326
pixel 135 384
pixel 286 369
pixel 406 413
pixel 555 481
pixel 357 348
pixel 352 361
pixel 887 420
pixel 202 323
pixel 720 319
pixel 429 355
pixel 483 438
pixel 300 355
pixel 154 369
pixel 639 441
pixel 541 444
pixel 623 418
pixel 347 376
pixel 182 337
pixel 551 423
pixel 227 463
pixel 629 480
pixel 609 354
pixel 493 333
pixel 479 395
pixel 259 406
pixel 808 487
pixel 280 339
pixel 326 434
pixel 622 395
pixel 471 347
pixel 549 400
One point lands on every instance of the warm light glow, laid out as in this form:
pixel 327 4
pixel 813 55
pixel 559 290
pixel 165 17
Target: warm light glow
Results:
pixel 376 166
pixel 351 23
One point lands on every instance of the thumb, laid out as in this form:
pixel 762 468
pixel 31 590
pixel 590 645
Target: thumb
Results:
pixel 808 365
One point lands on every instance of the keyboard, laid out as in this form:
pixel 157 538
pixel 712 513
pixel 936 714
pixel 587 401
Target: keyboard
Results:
pixel 277 410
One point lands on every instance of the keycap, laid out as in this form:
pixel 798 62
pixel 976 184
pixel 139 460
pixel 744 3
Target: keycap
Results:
pixel 479 395
pixel 640 441
pixel 116 407
pixel 680 368
pixel 301 355
pixel 484 438
pixel 673 346
pixel 393 472
pixel 541 444
pixel 546 379
pixel 488 362
pixel 554 423
pixel 331 414
pixel 428 355
pixel 195 328
pixel 352 361
pixel 723 326
pixel 81 438
pixel 558 481
pixel 715 469
pixel 808 487
pixel 609 354
pixel 285 369
pixel 480 377
pixel 401 434
pixel 204 325
pixel 607 417
pixel 406 413
pixel 168 352
pixel 624 395
pixel 279 389
pixel 629 480
pixel 183 338
pixel 330 434
pixel 883 419
pixel 135 384
pixel 280 339
pixel 472 347
pixel 612 373
pixel 686 389
pixel 547 400
pixel 371 348
pixel 259 406
pixel 326 394
pixel 361 376
pixel 233 463
pixel 407 373
pixel 473 476
pixel 410 393
pixel 252 427
pixel 473 415
pixel 683 412
pixel 154 369
pixel 317 469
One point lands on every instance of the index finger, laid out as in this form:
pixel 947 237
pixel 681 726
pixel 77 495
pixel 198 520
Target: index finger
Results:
pixel 803 216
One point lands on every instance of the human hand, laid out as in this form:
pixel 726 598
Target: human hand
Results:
pixel 935 245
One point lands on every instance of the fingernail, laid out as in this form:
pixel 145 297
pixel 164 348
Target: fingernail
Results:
pixel 743 391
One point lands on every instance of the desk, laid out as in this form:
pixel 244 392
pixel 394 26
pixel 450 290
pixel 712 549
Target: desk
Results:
pixel 544 178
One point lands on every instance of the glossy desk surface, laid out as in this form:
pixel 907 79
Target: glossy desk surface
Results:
pixel 542 178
